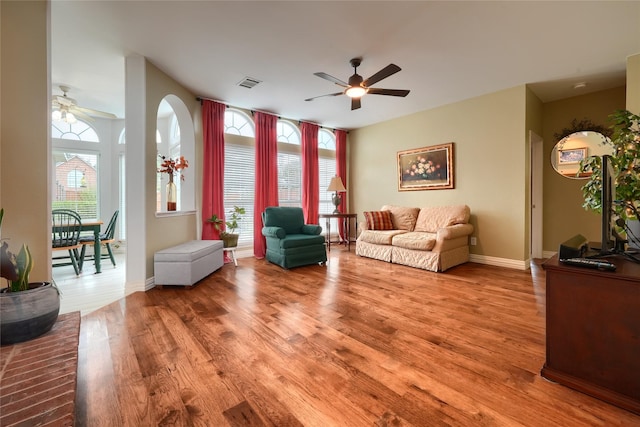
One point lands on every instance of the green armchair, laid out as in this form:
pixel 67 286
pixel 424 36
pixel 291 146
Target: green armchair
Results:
pixel 291 242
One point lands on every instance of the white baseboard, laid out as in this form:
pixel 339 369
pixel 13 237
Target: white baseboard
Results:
pixel 500 262
pixel 131 287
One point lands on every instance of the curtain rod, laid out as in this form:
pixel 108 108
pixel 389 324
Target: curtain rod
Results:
pixel 201 98
pixel 298 120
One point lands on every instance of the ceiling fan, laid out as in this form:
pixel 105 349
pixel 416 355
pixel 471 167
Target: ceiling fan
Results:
pixel 67 109
pixel 357 87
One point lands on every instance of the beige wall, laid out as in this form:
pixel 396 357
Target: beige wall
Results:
pixel 490 153
pixel 564 216
pixel 24 134
pixel 633 83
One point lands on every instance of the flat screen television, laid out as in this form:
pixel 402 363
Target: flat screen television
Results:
pixel 607 198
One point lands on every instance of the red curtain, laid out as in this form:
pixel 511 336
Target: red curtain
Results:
pixel 341 171
pixel 310 173
pixel 266 188
pixel 212 166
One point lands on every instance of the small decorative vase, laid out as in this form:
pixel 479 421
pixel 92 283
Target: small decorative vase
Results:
pixel 172 195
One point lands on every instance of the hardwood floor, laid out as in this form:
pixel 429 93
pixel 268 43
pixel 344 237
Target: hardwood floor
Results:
pixel 356 343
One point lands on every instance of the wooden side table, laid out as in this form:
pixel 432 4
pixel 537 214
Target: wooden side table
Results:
pixel 346 221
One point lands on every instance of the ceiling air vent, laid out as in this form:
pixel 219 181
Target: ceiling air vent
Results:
pixel 249 82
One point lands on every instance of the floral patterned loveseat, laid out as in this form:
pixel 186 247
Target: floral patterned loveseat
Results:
pixel 431 238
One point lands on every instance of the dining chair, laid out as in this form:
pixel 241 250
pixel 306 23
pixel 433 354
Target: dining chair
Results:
pixel 65 236
pixel 106 239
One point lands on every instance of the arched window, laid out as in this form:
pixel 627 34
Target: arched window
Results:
pixel 78 131
pixel 239 175
pixel 327 167
pixel 289 164
pixel 238 123
pixel 75 155
pixel 287 132
pixel 326 139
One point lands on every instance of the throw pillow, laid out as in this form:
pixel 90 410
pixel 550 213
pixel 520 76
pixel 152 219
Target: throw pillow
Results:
pixel 378 220
pixel 403 218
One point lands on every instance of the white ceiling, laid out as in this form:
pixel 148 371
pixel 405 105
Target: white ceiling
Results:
pixel 448 51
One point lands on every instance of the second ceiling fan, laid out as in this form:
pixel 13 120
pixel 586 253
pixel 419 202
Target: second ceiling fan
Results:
pixel 358 87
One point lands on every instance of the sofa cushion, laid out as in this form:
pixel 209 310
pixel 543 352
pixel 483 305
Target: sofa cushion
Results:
pixel 378 220
pixel 415 240
pixel 403 218
pixel 430 219
pixel 379 237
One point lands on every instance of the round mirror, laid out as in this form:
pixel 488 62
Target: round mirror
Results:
pixel 567 153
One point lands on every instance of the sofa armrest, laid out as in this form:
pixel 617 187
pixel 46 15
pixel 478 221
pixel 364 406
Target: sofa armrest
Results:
pixel 277 232
pixel 454 231
pixel 312 229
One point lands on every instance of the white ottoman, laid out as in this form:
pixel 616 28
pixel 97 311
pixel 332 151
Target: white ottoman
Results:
pixel 187 263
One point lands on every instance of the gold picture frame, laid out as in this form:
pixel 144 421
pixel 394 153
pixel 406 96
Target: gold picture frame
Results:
pixel 427 168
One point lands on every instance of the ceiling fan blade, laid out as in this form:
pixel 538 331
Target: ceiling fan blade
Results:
pixel 96 113
pixel 355 103
pixel 331 79
pixel 322 96
pixel 389 92
pixel 80 114
pixel 382 74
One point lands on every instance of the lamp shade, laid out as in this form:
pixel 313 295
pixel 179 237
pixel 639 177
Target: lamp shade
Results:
pixel 336 185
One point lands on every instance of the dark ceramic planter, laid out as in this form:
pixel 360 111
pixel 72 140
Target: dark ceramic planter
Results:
pixel 28 314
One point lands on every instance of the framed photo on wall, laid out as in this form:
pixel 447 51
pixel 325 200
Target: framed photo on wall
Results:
pixel 571 156
pixel 428 168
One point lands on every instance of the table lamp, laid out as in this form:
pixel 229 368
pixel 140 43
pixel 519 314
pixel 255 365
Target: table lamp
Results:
pixel 337 186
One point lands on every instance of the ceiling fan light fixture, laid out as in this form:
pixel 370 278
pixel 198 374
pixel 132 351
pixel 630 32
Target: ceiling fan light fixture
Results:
pixel 70 118
pixel 63 115
pixel 355 91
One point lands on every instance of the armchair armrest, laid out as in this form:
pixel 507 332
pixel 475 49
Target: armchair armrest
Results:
pixel 277 232
pixel 312 229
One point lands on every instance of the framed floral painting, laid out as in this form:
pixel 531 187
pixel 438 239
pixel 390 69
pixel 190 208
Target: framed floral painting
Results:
pixel 428 168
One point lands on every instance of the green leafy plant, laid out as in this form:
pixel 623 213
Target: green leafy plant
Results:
pixel 625 140
pixel 231 224
pixel 15 268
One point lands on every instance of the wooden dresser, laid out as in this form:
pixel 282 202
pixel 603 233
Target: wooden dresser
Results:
pixel 593 330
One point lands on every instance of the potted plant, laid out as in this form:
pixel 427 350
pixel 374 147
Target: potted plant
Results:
pixel 28 309
pixel 228 235
pixel 625 141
